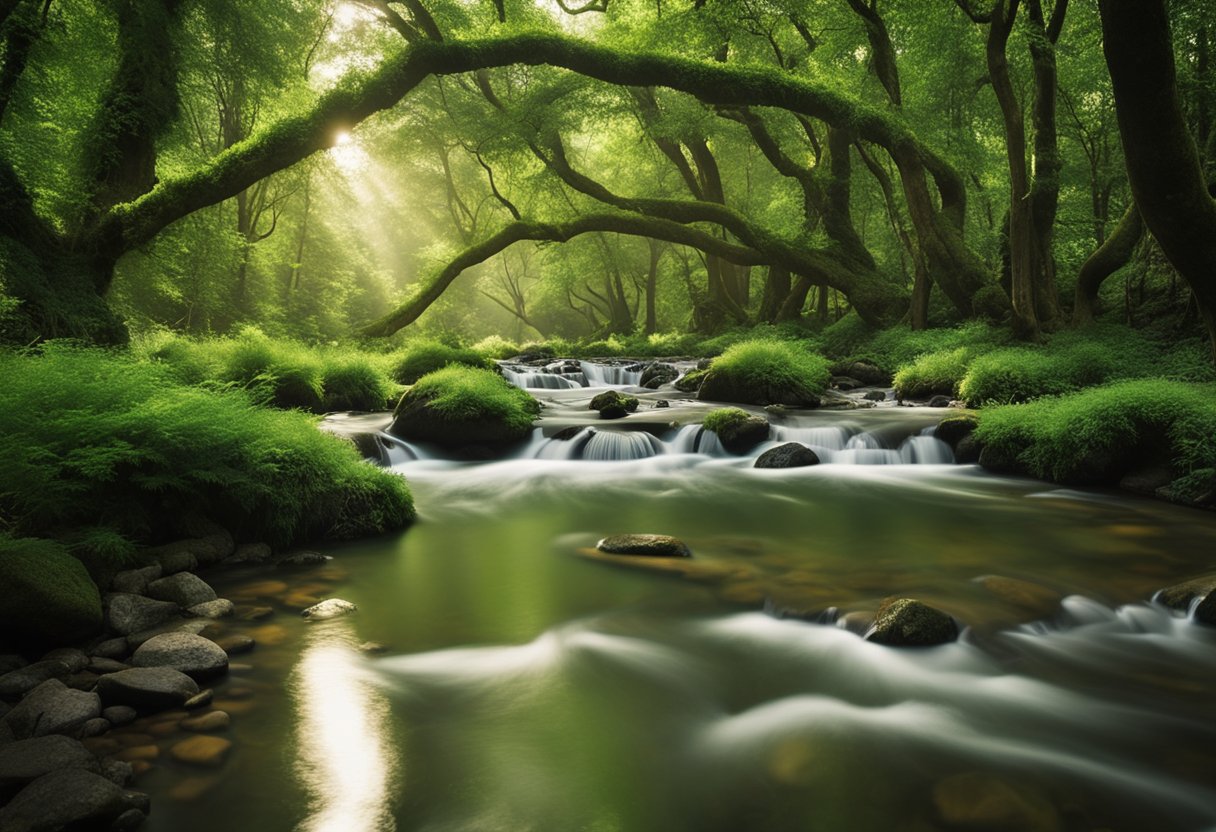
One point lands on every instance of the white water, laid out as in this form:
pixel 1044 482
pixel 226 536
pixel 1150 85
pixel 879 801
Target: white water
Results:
pixel 543 381
pixel 605 375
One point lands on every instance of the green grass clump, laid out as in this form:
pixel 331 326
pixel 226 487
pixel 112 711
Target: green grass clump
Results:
pixel 49 598
pixel 1019 374
pixel 1099 434
pixel 469 393
pixel 423 357
pixel 933 374
pixel 766 372
pixel 285 374
pixel 496 348
pixel 725 418
pixel 892 348
pixel 354 383
pixel 97 448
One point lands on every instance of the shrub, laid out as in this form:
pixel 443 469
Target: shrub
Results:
pixel 423 357
pixel 1019 374
pixel 281 373
pixel 49 598
pixel 354 383
pixel 121 451
pixel 933 374
pixel 766 372
pixel 1096 435
pixel 462 406
pixel 496 348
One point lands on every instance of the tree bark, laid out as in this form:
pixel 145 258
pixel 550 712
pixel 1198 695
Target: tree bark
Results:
pixel 1109 257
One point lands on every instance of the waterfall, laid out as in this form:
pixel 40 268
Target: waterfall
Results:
pixel 832 438
pixel 925 450
pixel 694 439
pixel 543 381
pixel 598 446
pixel 611 375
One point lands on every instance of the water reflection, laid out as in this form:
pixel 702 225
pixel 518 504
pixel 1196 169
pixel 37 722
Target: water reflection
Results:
pixel 344 756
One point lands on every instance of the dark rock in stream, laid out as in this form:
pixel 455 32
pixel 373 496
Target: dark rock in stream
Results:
pixel 69 799
pixel 21 681
pixel 184 589
pixel 657 374
pixel 875 396
pixel 938 401
pixel 52 708
pixel 789 455
pixel 847 383
pixel 24 761
pixel 1205 613
pixel 739 437
pixel 968 450
pixel 329 608
pixel 127 614
pixel 905 622
pixel 612 404
pixel 644 545
pixel 954 429
pixel 566 434
pixel 191 654
pixel 149 688
pixel 1179 596
pixel 303 559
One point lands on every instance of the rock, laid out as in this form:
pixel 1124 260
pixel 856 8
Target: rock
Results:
pixel 847 383
pixel 904 622
pixel 488 422
pixel 691 381
pixel 738 387
pixel 612 404
pixel 10 662
pixel 567 433
pixel 148 688
pixel 250 553
pixel 48 597
pixel 875 396
pixel 67 799
pixel 119 715
pixel 987 803
pixel 857 622
pixel 968 450
pixel 199 700
pixel 253 613
pixel 127 614
pixel 135 581
pixel 863 371
pixel 76 660
pixel 194 626
pixel 235 645
pixel 26 760
pixel 219 608
pixel 206 723
pixel 128 821
pixel 202 751
pixel 1205 613
pixel 789 455
pixel 117 772
pixel 644 545
pixel 175 560
pixel 954 429
pixel 329 608
pixel 94 728
pixel 303 559
pixel 658 373
pixel 193 655
pixel 19 682
pixel 184 589
pixel 1179 596
pixel 661 403
pixel 114 648
pixel 740 435
pixel 102 666
pixel 52 708
pixel 938 401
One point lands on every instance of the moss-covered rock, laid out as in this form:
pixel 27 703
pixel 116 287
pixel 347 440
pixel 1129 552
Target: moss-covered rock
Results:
pixel 690 382
pixel 425 357
pixel 737 430
pixel 905 622
pixel 766 372
pixel 658 373
pixel 48 595
pixel 953 429
pixel 644 545
pixel 789 455
pixel 613 405
pixel 460 406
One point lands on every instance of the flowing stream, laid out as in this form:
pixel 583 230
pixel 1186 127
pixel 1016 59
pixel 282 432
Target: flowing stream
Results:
pixel 528 685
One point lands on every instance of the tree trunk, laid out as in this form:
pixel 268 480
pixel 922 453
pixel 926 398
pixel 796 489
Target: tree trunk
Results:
pixel 776 290
pixel 1109 257
pixel 1163 164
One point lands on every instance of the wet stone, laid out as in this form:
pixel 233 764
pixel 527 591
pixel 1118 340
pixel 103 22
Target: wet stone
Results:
pixel 193 655
pixel 26 760
pixel 152 688
pixel 127 614
pixel 202 750
pixel 905 622
pixel 76 660
pixel 644 545
pixel 202 699
pixel 219 608
pixel 102 666
pixel 329 608
pixel 207 723
pixel 114 648
pixel 119 715
pixel 184 589
pixel 235 645
pixel 21 681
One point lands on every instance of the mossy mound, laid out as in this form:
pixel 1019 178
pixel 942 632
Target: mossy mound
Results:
pixel 425 357
pixel 737 430
pixel 49 598
pixel 905 622
pixel 613 405
pixel 766 372
pixel 933 374
pixel 691 381
pixel 461 406
pixel 354 384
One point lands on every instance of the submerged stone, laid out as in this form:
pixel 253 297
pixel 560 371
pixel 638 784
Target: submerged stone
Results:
pixel 644 545
pixel 978 801
pixel 329 608
pixel 905 622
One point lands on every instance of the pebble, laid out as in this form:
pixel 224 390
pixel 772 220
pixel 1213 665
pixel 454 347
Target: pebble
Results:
pixel 202 750
pixel 208 722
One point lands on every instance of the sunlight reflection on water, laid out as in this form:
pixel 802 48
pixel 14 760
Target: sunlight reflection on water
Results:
pixel 344 759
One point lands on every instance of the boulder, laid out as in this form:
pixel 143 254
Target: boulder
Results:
pixel 644 545
pixel 658 373
pixel 68 799
pixel 219 608
pixel 494 413
pixel 135 581
pixel 329 608
pixel 847 383
pixel 720 386
pixel 905 622
pixel 113 648
pixel 148 688
pixel 738 436
pixel 691 381
pixel 939 401
pixel 1205 613
pixel 184 589
pixel 52 708
pixel 75 659
pixel 876 396
pixel 863 371
pixel 193 655
pixel 789 455
pixel 979 801
pixel 17 683
pixel 175 559
pixel 26 760
pixel 194 626
pixel 612 404
pixel 48 596
pixel 250 553
pixel 119 714
pixel 954 429
pixel 1179 596
pixel 968 450
pixel 127 614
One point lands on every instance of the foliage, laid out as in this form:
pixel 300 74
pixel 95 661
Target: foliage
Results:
pixel 932 374
pixel 423 357
pixel 468 393
pixel 354 383
pixel 96 446
pixel 49 598
pixel 496 348
pixel 1095 435
pixel 762 372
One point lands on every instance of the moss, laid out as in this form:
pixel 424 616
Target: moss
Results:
pixel 423 357
pixel 724 418
pixel 934 374
pixel 464 406
pixel 738 430
pixel 354 384
pixel 496 348
pixel 1097 435
pixel 766 372
pixel 690 382
pixel 612 404
pixel 49 598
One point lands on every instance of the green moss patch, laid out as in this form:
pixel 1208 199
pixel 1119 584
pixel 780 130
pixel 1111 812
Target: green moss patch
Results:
pixel 460 405
pixel 49 598
pixel 766 372
pixel 423 357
